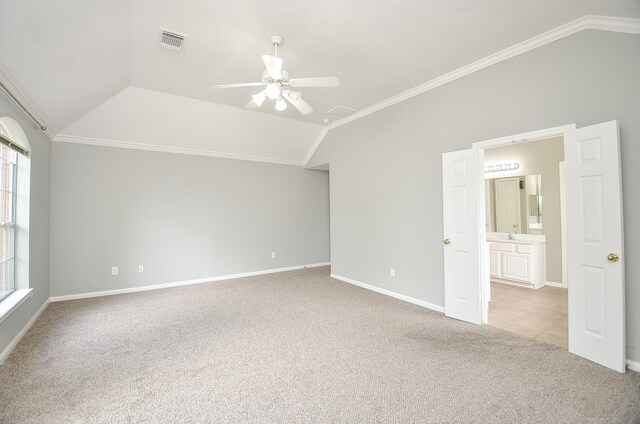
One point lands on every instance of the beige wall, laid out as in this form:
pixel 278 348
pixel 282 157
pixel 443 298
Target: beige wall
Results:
pixel 539 157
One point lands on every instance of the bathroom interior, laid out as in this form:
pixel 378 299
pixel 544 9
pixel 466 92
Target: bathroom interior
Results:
pixel 524 204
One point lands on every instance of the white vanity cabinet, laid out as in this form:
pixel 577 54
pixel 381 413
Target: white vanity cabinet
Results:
pixel 518 262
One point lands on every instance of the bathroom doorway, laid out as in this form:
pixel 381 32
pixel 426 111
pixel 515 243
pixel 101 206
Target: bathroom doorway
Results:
pixel 594 238
pixel 523 206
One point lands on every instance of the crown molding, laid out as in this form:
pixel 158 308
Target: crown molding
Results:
pixel 604 23
pixel 611 23
pixel 168 149
pixel 18 94
pixel 316 144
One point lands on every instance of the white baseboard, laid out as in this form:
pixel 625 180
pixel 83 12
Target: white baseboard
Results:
pixel 633 365
pixel 376 289
pixel 5 353
pixel 181 283
pixel 553 284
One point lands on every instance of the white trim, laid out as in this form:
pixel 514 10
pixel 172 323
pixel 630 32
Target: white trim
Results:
pixel 13 88
pixel 563 223
pixel 5 353
pixel 316 144
pixel 613 24
pixel 61 138
pixel 604 23
pixel 386 292
pixel 181 283
pixel 553 284
pixel 633 365
pixel 524 137
pixel 13 301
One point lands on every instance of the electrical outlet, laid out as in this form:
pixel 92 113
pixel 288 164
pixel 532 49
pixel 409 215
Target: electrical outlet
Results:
pixel 114 270
pixel 392 272
pixel 140 268
pixel 273 255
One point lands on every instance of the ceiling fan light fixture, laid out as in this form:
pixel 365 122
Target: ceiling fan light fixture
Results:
pixel 281 105
pixel 273 91
pixel 259 98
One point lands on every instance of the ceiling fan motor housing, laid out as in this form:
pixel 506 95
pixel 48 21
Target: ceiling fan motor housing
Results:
pixel 268 80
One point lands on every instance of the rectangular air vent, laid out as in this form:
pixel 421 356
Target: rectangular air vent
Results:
pixel 341 111
pixel 172 40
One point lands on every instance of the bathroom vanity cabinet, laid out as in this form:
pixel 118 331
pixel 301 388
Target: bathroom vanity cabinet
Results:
pixel 517 262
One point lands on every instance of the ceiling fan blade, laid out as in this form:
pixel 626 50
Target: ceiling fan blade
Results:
pixel 296 101
pixel 273 65
pixel 236 85
pixel 314 82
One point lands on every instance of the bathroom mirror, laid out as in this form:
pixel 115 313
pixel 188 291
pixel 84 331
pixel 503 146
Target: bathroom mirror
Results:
pixel 535 205
pixel 514 204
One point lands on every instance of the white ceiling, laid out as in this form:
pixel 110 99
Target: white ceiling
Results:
pixel 67 56
pixel 70 56
pixel 166 122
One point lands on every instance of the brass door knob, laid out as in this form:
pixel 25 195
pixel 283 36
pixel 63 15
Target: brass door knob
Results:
pixel 447 242
pixel 613 257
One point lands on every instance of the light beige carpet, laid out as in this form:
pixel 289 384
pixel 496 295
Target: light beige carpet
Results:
pixel 295 347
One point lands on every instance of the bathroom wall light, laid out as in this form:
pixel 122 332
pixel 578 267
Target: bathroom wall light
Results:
pixel 502 167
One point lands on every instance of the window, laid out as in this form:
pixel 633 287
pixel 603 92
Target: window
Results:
pixel 15 176
pixel 8 168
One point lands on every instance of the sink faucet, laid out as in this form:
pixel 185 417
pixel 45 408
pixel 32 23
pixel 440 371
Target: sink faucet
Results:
pixel 512 232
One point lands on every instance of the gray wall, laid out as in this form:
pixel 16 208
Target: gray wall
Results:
pixel 540 157
pixel 182 217
pixel 38 226
pixel 386 184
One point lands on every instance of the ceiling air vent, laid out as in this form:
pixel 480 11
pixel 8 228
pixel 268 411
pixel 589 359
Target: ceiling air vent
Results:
pixel 341 111
pixel 172 40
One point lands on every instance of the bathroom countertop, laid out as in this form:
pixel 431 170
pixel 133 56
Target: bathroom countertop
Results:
pixel 516 241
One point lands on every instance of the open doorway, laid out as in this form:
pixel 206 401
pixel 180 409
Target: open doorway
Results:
pixel 523 203
pixel 594 253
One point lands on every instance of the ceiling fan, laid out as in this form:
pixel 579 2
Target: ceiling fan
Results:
pixel 278 85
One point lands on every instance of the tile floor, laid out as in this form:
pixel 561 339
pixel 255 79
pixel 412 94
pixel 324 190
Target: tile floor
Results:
pixel 539 314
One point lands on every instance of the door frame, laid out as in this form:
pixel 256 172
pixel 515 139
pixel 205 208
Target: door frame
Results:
pixel 561 130
pixel 558 131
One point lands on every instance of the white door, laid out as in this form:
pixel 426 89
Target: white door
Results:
pixel 507 205
pixel 463 234
pixel 595 264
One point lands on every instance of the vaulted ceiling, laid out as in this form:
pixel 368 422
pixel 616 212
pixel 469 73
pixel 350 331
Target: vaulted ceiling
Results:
pixel 87 66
